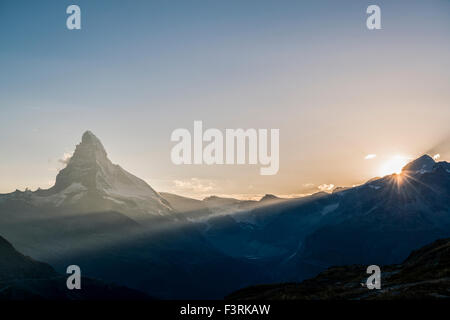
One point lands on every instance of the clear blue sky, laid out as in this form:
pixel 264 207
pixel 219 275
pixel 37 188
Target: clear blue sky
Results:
pixel 140 69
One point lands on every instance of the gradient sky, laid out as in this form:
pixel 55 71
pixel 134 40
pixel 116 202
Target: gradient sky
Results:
pixel 140 69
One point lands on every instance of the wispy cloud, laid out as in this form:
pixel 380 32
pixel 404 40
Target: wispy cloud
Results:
pixel 194 185
pixel 370 156
pixel 65 158
pixel 326 187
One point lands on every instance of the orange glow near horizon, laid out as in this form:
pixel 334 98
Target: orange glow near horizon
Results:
pixel 393 165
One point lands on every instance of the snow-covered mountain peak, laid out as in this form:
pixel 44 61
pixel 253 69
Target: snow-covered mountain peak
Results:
pixel 89 150
pixel 91 141
pixel 92 180
pixel 88 166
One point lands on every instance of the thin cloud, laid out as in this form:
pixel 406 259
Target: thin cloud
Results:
pixel 326 187
pixel 194 185
pixel 65 158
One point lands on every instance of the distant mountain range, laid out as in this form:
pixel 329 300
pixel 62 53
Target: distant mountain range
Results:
pixel 425 274
pixel 119 229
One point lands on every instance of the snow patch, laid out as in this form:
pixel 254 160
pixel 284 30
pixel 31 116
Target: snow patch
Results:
pixel 330 208
pixel 75 190
pixel 114 200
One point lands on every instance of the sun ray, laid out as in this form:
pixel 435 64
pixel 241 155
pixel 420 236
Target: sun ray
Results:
pixel 393 165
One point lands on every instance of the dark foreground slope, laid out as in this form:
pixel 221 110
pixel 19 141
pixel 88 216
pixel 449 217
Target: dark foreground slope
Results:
pixel 425 274
pixel 22 278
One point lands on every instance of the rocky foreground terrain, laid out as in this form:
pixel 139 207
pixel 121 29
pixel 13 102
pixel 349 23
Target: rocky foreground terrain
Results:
pixel 425 274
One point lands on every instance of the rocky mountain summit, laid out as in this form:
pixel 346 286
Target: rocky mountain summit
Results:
pixel 92 183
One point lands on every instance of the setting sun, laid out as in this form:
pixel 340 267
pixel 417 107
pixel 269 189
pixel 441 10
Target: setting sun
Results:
pixel 393 165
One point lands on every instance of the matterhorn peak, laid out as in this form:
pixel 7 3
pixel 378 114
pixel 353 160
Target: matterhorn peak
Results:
pixel 89 151
pixel 88 158
pixel 89 137
pixel 91 142
pixel 92 181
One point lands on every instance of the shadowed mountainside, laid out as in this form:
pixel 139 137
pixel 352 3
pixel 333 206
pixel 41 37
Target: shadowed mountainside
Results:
pixel 425 274
pixel 379 222
pixel 22 278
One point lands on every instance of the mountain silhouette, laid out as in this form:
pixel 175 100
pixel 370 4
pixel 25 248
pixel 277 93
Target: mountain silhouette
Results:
pixel 92 183
pixel 22 278
pixel 379 222
pixel 14 265
pixel 421 165
pixel 117 228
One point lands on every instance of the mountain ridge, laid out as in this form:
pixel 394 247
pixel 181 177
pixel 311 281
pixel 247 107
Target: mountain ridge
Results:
pixel 90 182
pixel 23 278
pixel 116 235
pixel 425 274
